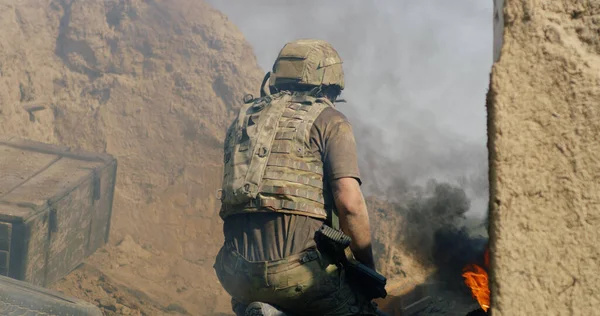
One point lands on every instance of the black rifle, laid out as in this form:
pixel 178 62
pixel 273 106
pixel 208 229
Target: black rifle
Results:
pixel 336 244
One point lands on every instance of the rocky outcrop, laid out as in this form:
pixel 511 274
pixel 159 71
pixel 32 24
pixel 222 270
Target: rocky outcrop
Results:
pixel 154 83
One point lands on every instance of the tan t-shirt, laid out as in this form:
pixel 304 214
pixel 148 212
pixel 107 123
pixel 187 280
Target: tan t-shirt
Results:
pixel 272 236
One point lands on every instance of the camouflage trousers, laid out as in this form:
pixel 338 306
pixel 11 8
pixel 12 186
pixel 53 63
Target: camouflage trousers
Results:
pixel 303 284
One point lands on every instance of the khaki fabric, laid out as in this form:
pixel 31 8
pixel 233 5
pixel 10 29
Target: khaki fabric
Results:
pixel 273 236
pixel 248 146
pixel 308 62
pixel 270 236
pixel 303 284
pixel 269 163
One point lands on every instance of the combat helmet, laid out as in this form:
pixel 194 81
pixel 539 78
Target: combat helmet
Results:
pixel 307 62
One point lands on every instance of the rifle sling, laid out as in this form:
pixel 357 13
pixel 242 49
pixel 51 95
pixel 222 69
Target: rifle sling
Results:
pixel 335 220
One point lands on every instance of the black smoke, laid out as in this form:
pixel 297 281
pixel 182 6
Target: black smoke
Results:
pixel 440 207
pixel 433 228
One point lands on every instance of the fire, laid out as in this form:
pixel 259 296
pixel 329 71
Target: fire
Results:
pixel 476 278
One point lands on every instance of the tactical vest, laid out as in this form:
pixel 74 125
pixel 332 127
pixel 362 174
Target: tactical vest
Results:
pixel 269 165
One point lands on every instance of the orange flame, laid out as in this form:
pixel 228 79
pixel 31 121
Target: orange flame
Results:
pixel 476 278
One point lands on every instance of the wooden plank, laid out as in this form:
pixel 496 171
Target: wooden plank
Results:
pixel 52 184
pixel 16 212
pixel 102 212
pixel 18 166
pixel 53 149
pixel 59 203
pixel 35 251
pixel 69 239
pixel 5 236
pixel 30 145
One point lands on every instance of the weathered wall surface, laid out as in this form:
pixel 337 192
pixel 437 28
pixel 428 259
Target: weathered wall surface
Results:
pixel 544 142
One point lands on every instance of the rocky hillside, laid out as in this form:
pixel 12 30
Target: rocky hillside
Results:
pixel 153 83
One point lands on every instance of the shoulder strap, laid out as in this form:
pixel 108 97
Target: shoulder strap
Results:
pixel 333 215
pixel 264 86
pixel 335 220
pixel 264 142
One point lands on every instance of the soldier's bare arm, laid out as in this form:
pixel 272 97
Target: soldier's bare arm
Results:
pixel 354 218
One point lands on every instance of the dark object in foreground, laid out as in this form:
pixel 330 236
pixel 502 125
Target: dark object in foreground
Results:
pixel 336 244
pixel 21 298
pixel 478 312
pixel 263 309
pixel 55 208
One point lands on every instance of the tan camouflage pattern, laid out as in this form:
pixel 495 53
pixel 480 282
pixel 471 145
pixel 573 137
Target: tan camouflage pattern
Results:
pixel 268 159
pixel 308 283
pixel 309 62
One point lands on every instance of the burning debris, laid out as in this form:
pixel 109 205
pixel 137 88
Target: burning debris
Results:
pixel 476 278
pixel 434 232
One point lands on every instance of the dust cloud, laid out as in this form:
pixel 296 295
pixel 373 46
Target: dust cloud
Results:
pixel 417 74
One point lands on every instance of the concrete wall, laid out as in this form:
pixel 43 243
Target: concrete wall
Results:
pixel 544 143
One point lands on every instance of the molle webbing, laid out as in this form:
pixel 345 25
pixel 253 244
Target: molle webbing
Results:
pixel 277 205
pixel 289 135
pixel 264 143
pixel 247 148
pixel 276 169
pixel 309 194
pixel 295 164
pixel 282 148
pixel 308 209
pixel 295 178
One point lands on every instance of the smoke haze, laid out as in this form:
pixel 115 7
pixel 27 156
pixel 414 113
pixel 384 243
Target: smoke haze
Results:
pixel 416 78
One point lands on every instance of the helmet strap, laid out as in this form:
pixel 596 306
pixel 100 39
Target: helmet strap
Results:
pixel 264 87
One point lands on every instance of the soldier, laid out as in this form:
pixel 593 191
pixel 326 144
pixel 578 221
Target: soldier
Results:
pixel 291 167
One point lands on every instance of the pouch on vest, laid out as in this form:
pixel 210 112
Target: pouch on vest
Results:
pixel 248 146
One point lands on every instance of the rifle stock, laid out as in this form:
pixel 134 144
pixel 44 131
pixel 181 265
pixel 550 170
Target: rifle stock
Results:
pixel 337 244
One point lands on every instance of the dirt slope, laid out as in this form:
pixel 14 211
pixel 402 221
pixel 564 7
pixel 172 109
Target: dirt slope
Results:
pixel 153 83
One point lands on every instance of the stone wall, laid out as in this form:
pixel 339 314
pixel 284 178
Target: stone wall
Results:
pixel 544 144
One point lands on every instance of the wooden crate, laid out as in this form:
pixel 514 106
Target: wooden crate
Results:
pixel 55 208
